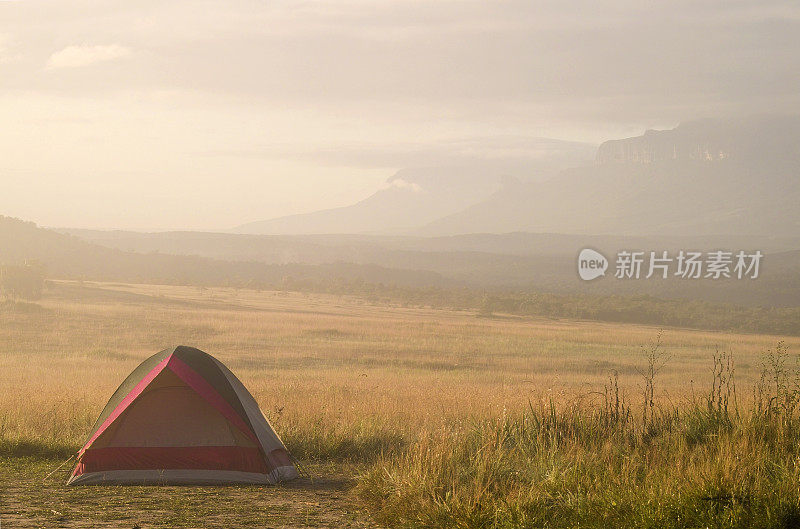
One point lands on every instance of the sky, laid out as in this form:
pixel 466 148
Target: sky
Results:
pixel 205 115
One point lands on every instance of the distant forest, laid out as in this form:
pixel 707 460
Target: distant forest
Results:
pixel 68 257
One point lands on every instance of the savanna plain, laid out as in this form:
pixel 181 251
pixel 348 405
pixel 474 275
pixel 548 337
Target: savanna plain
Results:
pixel 410 416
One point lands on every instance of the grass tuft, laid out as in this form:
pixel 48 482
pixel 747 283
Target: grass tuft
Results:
pixel 36 448
pixel 570 469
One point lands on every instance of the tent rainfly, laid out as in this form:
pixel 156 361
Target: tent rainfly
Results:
pixel 182 417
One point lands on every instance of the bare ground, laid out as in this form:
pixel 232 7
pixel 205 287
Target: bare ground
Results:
pixel 29 499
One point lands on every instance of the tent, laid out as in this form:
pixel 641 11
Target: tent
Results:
pixel 182 417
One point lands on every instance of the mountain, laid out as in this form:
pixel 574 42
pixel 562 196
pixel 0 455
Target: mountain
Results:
pixel 702 178
pixel 706 177
pixel 413 197
pixel 409 199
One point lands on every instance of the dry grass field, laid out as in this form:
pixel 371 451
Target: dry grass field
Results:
pixel 352 388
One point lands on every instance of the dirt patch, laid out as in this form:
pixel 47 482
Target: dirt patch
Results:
pixel 30 500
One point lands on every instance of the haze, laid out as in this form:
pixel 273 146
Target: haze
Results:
pixel 207 115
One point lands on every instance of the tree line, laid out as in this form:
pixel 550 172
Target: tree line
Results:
pixel 22 282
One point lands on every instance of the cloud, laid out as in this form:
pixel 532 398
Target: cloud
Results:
pixel 399 183
pixel 84 55
pixel 514 154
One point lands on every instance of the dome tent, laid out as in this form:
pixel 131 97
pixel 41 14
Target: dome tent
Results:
pixel 182 417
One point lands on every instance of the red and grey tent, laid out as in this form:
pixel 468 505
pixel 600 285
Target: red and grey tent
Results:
pixel 182 417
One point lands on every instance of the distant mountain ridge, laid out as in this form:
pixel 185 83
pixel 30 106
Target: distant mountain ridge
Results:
pixel 69 257
pixel 415 196
pixel 707 140
pixel 705 177
pixel 701 178
pixel 409 199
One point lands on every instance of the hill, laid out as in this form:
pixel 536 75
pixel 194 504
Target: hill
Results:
pixel 513 261
pixel 68 257
pixel 532 285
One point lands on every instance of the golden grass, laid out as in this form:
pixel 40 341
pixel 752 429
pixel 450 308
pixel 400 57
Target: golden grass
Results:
pixel 329 364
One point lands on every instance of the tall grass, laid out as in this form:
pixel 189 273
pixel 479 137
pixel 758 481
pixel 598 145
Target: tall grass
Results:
pixel 705 464
pixel 415 398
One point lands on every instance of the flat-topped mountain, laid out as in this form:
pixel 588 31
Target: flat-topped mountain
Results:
pixel 754 139
pixel 705 177
pixel 701 178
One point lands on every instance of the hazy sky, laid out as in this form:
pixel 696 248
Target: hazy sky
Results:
pixel 203 115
